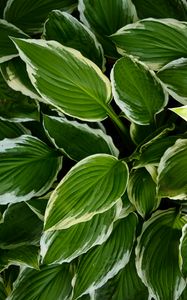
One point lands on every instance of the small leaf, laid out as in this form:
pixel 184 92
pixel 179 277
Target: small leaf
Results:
pixel 3 294
pixel 181 111
pixel 103 262
pixel 51 282
pixel 78 140
pixel 68 31
pixel 159 41
pixel 137 91
pixel 38 205
pixel 72 83
pixel 11 130
pixel 183 251
pixel 28 168
pixel 157 255
pixel 91 187
pixel 172 181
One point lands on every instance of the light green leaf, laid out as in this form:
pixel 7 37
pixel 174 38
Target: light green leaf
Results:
pixel 21 256
pixel 91 187
pixel 20 227
pixel 78 140
pixel 171 171
pixel 183 251
pixel 28 168
pixel 7 48
pixel 51 282
pixel 159 41
pixel 157 255
pixel 103 262
pixel 105 17
pixel 173 76
pixel 30 15
pixel 137 91
pixel 142 192
pixel 3 293
pixel 11 130
pixel 181 111
pixel 72 83
pixel 61 246
pixel 68 31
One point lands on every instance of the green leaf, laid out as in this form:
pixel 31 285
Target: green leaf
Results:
pixel 7 48
pixel 184 295
pixel 159 41
pixel 176 9
pixel 78 140
pixel 3 294
pixel 105 17
pixel 11 130
pixel 28 168
pixel 72 83
pixel 68 31
pixel 61 246
pixel 103 262
pixel 140 132
pixel 30 15
pixel 173 76
pixel 142 192
pixel 171 171
pixel 91 187
pixel 20 227
pixel 23 255
pixel 183 251
pixel 137 91
pixel 3 4
pixel 181 111
pixel 157 255
pixel 51 282
pixel 38 205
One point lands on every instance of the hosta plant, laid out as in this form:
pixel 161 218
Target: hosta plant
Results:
pixel 93 150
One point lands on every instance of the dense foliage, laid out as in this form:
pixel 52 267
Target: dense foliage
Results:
pixel 93 149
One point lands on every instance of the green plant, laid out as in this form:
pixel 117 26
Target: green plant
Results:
pixel 93 150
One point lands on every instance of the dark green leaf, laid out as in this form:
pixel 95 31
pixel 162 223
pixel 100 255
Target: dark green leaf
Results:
pixel 3 4
pixel 140 132
pixel 91 187
pixel 3 293
pixel 28 168
pixel 38 205
pixel 68 31
pixel 137 91
pixel 11 130
pixel 157 255
pixel 183 251
pixel 103 262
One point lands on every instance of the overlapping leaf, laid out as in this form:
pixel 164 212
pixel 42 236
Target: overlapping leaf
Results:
pixel 11 130
pixel 181 111
pixel 3 294
pixel 28 168
pixel 183 251
pixel 91 187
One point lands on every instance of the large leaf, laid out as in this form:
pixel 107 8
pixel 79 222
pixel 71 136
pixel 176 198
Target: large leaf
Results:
pixel 181 111
pixel 68 31
pixel 51 282
pixel 20 227
pixel 3 293
pixel 61 246
pixel 11 130
pixel 30 15
pixel 157 255
pixel 91 187
pixel 105 17
pixel 171 171
pixel 159 41
pixel 142 192
pixel 103 262
pixel 137 91
pixel 174 77
pixel 72 83
pixel 78 140
pixel 28 168
pixel 7 48
pixel 183 251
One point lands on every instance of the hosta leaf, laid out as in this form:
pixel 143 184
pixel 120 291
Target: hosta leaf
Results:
pixel 24 256
pixel 172 169
pixel 181 111
pixel 159 41
pixel 20 227
pixel 174 77
pixel 184 295
pixel 7 48
pixel 3 4
pixel 68 31
pixel 91 187
pixel 103 262
pixel 78 140
pixel 183 251
pixel 38 205
pixel 3 293
pixel 51 282
pixel 176 9
pixel 28 168
pixel 157 255
pixel 137 91
pixel 61 246
pixel 11 130
pixel 140 132
pixel 72 83
pixel 105 17
pixel 30 15
pixel 142 192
